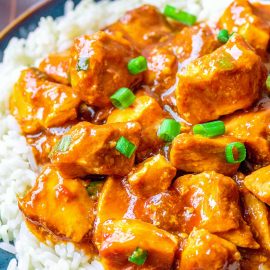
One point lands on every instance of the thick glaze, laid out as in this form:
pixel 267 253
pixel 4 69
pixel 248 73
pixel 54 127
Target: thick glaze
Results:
pixel 181 201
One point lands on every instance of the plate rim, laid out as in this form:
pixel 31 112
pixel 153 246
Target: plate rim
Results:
pixel 21 18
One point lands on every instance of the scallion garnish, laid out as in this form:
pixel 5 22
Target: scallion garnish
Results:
pixel 137 65
pixel 223 36
pixel 169 129
pixel 241 152
pixel 125 147
pixel 94 189
pixel 62 145
pixel 82 63
pixel 179 15
pixel 123 98
pixel 225 61
pixel 210 129
pixel 268 82
pixel 138 256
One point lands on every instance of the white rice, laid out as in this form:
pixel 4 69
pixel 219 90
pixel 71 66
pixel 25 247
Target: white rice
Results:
pixel 18 170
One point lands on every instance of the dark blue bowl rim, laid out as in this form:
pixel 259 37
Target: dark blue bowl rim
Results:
pixel 28 21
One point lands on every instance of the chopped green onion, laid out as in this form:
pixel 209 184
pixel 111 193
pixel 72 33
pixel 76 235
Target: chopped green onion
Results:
pixel 268 82
pixel 138 256
pixel 225 61
pixel 137 65
pixel 241 149
pixel 223 36
pixel 179 15
pixel 82 64
pixel 125 147
pixel 169 129
pixel 210 129
pixel 123 98
pixel 62 145
pixel 94 189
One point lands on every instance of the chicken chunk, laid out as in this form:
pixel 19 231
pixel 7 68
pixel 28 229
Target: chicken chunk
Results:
pixel 165 210
pixel 142 26
pixel 99 67
pixel 56 66
pixel 210 200
pixel 149 114
pixel 242 17
pixel 259 184
pixel 38 103
pixel 220 83
pixel 257 217
pixel 152 176
pixel 241 236
pixel 113 204
pixel 194 153
pixel 43 142
pixel 168 57
pixel 57 205
pixel 91 149
pixel 253 128
pixel 121 238
pixel 204 249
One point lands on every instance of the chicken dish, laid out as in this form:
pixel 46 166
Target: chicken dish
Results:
pixel 153 140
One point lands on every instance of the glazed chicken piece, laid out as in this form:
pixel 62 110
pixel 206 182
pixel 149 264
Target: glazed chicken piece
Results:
pixel 258 183
pixel 99 67
pixel 117 201
pixel 204 249
pixel 149 114
pixel 257 216
pixel 91 149
pixel 42 143
pixel 253 128
pixel 38 103
pixel 241 236
pixel 166 58
pixel 152 176
pixel 220 83
pixel 56 66
pixel 142 26
pixel 113 204
pixel 59 205
pixel 122 237
pixel 210 200
pixel 244 18
pixel 194 153
pixel 165 210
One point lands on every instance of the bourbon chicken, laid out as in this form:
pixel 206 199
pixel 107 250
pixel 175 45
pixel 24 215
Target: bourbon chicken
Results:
pixel 153 135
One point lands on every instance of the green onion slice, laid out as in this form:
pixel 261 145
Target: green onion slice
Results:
pixel 82 64
pixel 138 256
pixel 229 152
pixel 94 189
pixel 125 147
pixel 268 82
pixel 123 98
pixel 223 36
pixel 179 15
pixel 62 145
pixel 137 65
pixel 225 61
pixel 169 129
pixel 210 129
